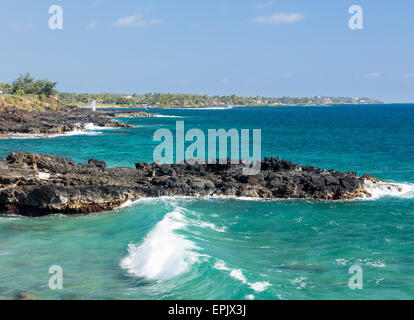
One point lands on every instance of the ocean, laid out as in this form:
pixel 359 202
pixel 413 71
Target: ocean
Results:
pixel 184 248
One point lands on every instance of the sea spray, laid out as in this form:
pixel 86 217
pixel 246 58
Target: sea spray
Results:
pixel 382 189
pixel 163 254
pixel 54 135
pixel 239 275
pixel 92 127
pixel 89 130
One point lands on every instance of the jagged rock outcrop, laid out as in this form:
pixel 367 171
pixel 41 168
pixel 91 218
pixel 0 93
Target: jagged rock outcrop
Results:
pixel 126 114
pixel 16 121
pixel 35 185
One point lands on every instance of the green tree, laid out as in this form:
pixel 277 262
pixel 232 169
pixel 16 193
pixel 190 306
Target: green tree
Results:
pixel 47 87
pixel 28 85
pixel 7 87
pixel 20 93
pixel 23 82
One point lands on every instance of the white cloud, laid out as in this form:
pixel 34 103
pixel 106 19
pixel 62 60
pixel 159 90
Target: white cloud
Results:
pixel 91 25
pixel 279 18
pixel 97 3
pixel 409 75
pixel 372 75
pixel 136 20
pixel 225 81
pixel 195 26
pixel 287 75
pixel 22 27
pixel 223 7
pixel 263 5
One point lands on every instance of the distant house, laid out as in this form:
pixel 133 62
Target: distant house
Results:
pixel 5 92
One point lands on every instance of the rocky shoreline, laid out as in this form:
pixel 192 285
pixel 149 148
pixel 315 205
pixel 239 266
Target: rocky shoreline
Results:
pixel 37 185
pixel 14 121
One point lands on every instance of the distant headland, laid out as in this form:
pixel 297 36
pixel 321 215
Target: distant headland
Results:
pixel 169 100
pixel 42 89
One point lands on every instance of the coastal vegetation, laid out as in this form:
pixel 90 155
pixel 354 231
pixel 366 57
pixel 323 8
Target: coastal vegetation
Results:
pixel 27 87
pixel 26 93
pixel 169 100
pixel 25 84
pixel 29 103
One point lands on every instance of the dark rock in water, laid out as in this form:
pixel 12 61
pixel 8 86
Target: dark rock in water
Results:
pixel 16 121
pixel 126 114
pixel 35 185
pixel 23 295
pixel 370 178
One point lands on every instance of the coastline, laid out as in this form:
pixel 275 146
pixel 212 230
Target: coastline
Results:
pixel 96 188
pixel 65 120
pixel 226 106
pixel 37 185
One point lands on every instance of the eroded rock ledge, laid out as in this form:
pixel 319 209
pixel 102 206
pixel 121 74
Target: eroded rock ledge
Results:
pixel 35 185
pixel 15 121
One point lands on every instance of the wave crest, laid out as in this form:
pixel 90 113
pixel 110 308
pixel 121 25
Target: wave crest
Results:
pixel 163 254
pixel 239 275
pixel 382 189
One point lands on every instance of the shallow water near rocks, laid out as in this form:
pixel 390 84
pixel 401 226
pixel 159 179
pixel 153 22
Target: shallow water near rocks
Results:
pixel 210 248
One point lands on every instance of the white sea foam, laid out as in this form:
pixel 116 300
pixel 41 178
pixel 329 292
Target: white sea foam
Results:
pixel 163 254
pixel 239 275
pixel 126 204
pixel 377 190
pixel 259 286
pixel 166 116
pixel 169 200
pixel 377 263
pixel 90 130
pixel 206 108
pixel 166 199
pixel 341 261
pixel 56 135
pixel 237 198
pixel 210 225
pixel 382 189
pixel 299 282
pixel 207 197
pixel 221 265
pixel 10 217
pixel 92 127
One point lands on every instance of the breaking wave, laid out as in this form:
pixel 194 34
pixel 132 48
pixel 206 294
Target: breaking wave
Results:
pixel 92 127
pixel 239 275
pixel 90 130
pixel 383 189
pixel 166 116
pixel 51 136
pixel 163 254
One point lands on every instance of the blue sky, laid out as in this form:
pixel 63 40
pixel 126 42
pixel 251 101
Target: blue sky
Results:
pixel 248 47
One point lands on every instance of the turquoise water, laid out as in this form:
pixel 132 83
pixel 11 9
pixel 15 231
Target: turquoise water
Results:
pixel 230 249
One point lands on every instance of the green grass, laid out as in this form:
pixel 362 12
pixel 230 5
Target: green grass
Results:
pixel 29 103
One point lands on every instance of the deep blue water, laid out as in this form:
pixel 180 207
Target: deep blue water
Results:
pixel 230 249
